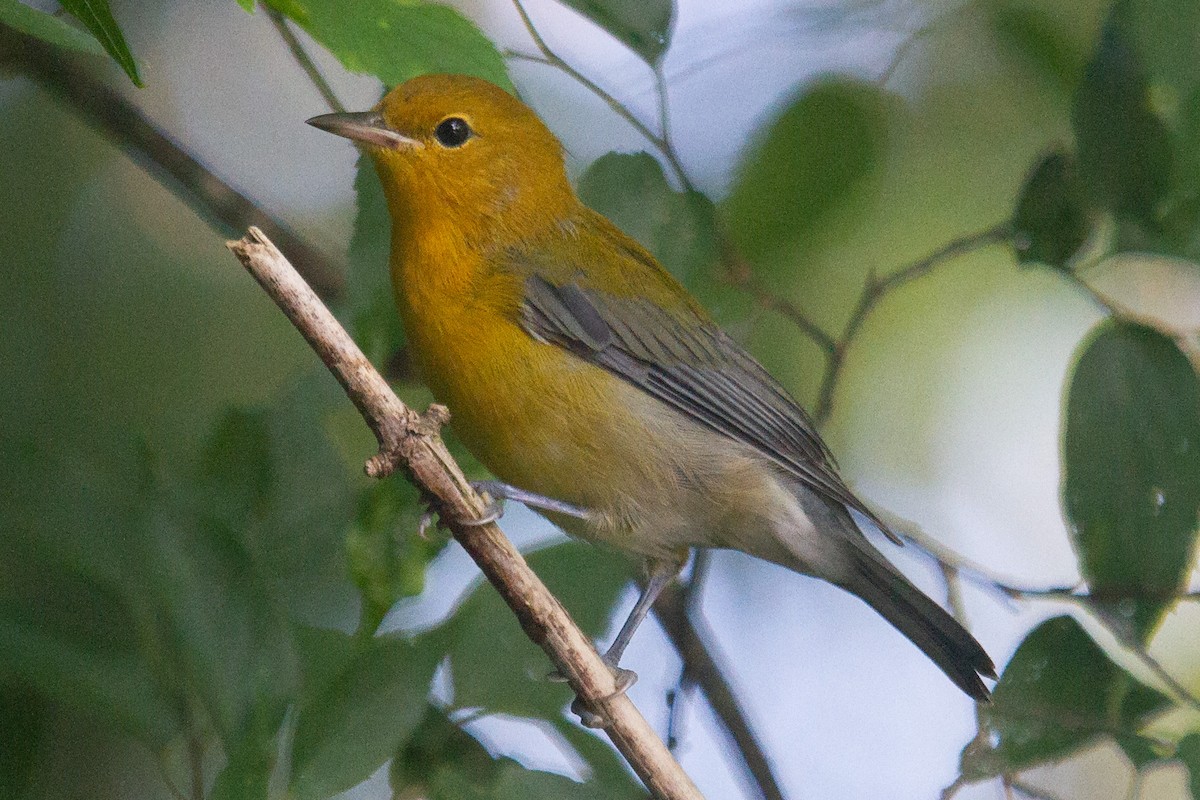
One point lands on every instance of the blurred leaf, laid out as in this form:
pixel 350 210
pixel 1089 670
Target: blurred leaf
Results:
pixel 1124 148
pixel 236 466
pixel 1039 40
pixel 444 762
pixel 644 26
pixel 273 475
pixel 494 665
pixel 678 228
pixel 388 556
pixel 47 27
pixel 98 18
pixel 247 5
pixel 809 161
pixel 78 622
pixel 1160 291
pixel 1131 461
pixel 247 771
pixel 227 632
pixel 1137 122
pixel 1059 693
pixel 1141 751
pixel 92 665
pixel 1052 220
pixel 1188 752
pixel 374 320
pixel 396 41
pixel 352 722
pixel 21 734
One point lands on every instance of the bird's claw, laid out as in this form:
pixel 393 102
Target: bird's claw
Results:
pixel 494 509
pixel 591 719
pixel 624 678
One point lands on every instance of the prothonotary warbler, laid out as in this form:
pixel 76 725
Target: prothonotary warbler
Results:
pixel 585 377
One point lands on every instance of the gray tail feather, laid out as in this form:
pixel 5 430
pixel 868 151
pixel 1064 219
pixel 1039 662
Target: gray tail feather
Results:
pixel 947 643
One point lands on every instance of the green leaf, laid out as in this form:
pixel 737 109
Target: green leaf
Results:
pixel 247 771
pixel 97 18
pixel 644 26
pixel 1141 751
pixel 395 40
pixel 374 320
pixel 1052 220
pixel 1037 39
pixel 494 664
pixel 387 554
pixel 46 27
pixel 352 722
pixel 678 228
pixel 1137 123
pixel 1188 752
pixel 98 671
pixel 1131 458
pixel 1059 693
pixel 1124 148
pixel 444 762
pixel 273 475
pixel 806 166
pixel 21 734
pixel 247 5
pixel 78 622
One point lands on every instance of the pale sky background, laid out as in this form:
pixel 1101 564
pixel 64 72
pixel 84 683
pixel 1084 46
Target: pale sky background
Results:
pixel 847 708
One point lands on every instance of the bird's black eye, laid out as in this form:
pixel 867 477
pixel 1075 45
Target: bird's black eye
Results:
pixel 452 132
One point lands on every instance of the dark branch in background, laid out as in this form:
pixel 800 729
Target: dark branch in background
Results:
pixel 409 443
pixel 701 665
pixel 72 79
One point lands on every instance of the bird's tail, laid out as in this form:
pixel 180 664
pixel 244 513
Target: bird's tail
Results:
pixel 947 643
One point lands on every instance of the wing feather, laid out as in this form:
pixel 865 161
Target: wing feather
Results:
pixel 688 363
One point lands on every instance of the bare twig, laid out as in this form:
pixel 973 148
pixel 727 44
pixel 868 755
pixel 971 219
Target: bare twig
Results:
pixel 409 442
pixel 552 59
pixel 875 289
pixel 73 79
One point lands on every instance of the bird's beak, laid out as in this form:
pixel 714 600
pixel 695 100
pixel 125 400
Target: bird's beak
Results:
pixel 367 127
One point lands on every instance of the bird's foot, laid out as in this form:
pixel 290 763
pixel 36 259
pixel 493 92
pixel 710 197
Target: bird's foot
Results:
pixel 500 492
pixel 588 717
pixel 624 678
pixel 493 510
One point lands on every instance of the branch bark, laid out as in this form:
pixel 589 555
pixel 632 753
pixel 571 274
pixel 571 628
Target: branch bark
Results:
pixel 409 442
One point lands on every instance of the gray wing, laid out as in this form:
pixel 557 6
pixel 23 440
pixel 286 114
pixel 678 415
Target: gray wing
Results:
pixel 696 369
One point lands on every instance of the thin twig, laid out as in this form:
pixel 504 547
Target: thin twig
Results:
pixel 303 59
pixel 552 59
pixel 73 80
pixel 196 763
pixel 409 442
pixel 875 289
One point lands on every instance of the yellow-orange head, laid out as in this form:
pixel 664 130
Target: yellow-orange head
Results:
pixel 456 151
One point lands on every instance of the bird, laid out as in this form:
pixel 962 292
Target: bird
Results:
pixel 587 379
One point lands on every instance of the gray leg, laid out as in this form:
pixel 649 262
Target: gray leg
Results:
pixel 661 573
pixel 503 491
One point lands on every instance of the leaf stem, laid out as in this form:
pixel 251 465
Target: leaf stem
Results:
pixel 302 57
